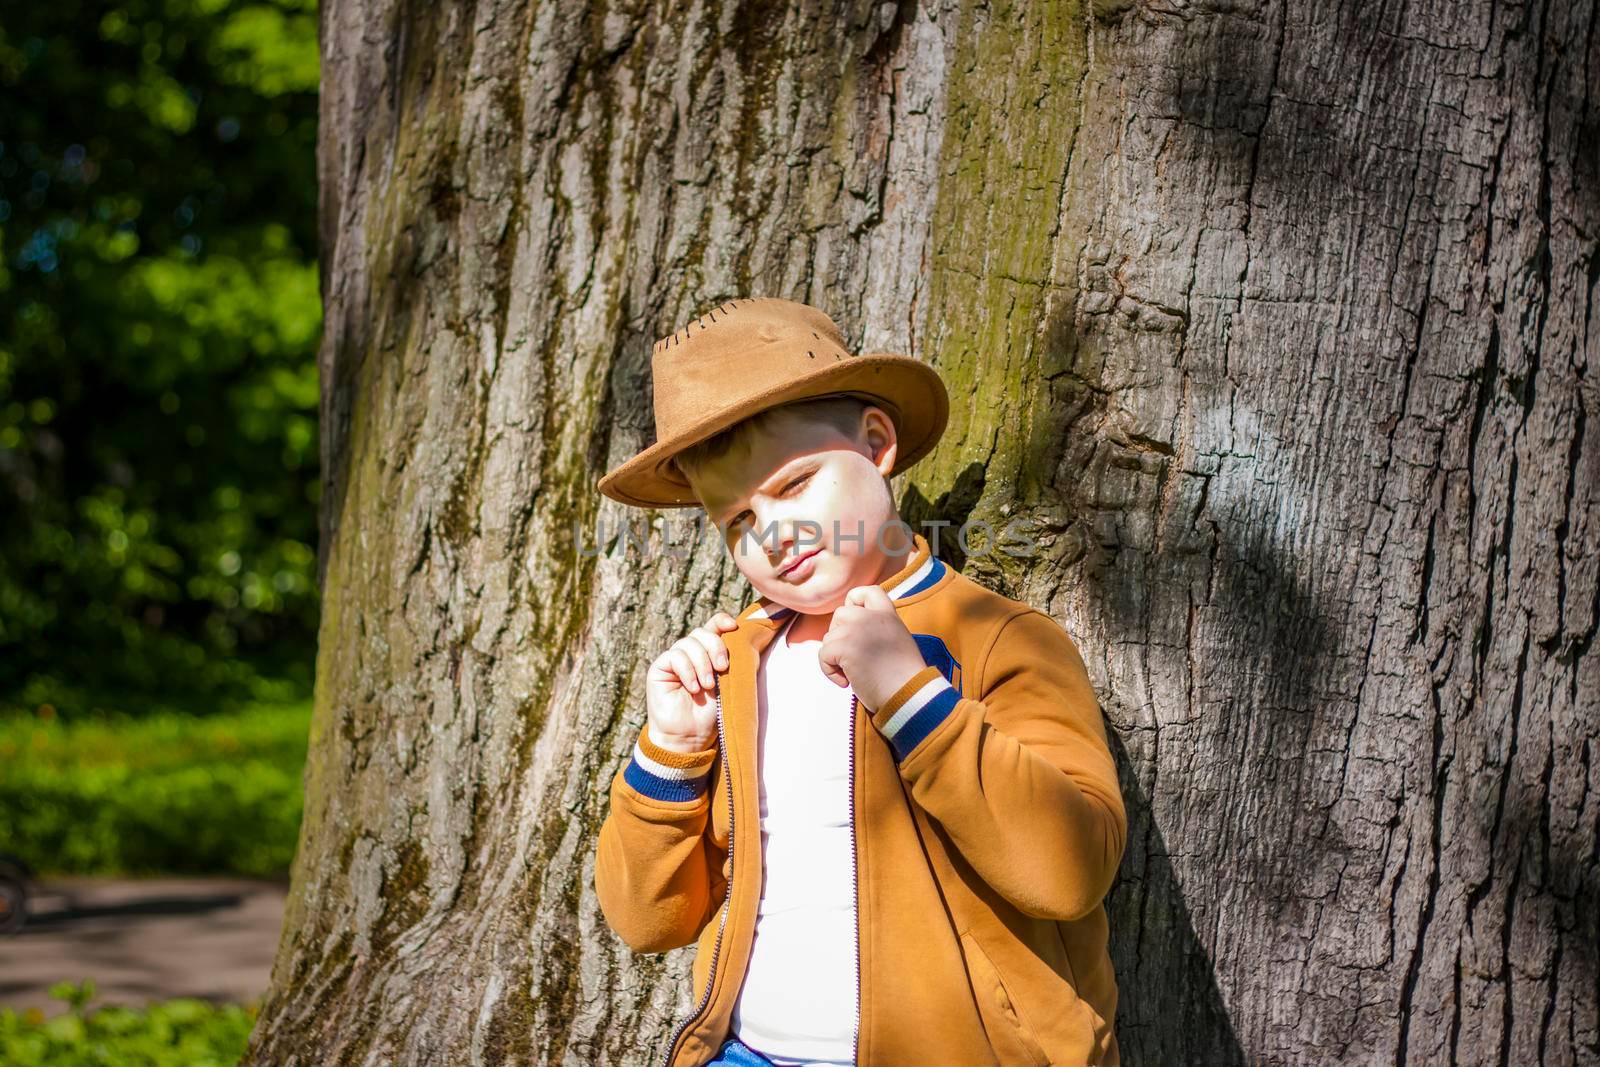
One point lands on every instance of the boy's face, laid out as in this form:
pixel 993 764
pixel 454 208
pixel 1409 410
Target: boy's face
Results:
pixel 802 488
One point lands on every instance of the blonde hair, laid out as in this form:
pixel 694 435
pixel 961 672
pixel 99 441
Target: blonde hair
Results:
pixel 842 411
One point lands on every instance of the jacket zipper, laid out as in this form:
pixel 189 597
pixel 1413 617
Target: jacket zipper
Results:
pixel 850 786
pixel 716 947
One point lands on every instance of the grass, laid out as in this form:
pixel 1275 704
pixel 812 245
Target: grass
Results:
pixel 183 1032
pixel 163 794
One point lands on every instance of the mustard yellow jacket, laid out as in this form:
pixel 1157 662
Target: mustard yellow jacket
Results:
pixel 988 826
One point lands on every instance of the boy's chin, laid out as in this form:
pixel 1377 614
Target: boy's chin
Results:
pixel 783 590
pixel 811 601
pixel 815 594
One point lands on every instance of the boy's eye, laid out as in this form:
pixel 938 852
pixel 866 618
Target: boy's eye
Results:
pixel 734 522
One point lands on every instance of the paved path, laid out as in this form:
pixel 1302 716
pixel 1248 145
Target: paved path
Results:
pixel 143 940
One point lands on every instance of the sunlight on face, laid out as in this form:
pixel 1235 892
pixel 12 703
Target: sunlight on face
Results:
pixel 799 489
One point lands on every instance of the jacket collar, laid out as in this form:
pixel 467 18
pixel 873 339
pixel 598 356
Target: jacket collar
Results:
pixel 921 572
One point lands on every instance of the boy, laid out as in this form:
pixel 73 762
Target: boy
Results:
pixel 929 879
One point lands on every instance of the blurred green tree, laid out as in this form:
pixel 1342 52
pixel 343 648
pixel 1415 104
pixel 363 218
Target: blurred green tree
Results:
pixel 159 318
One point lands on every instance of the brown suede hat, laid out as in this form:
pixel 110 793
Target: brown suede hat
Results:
pixel 755 353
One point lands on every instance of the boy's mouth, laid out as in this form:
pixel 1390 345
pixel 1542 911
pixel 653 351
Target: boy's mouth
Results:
pixel 795 561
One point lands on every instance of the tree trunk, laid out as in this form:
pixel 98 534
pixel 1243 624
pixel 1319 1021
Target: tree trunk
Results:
pixel 1272 319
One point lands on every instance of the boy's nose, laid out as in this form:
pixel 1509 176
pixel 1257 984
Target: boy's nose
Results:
pixel 794 533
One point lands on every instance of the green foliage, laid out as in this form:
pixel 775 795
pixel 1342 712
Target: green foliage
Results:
pixel 185 1032
pixel 158 382
pixel 163 793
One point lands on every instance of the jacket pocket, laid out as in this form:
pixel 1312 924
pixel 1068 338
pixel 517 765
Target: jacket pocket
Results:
pixel 1071 968
pixel 1013 1039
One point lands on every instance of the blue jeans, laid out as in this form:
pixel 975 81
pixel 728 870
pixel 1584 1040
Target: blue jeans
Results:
pixel 735 1053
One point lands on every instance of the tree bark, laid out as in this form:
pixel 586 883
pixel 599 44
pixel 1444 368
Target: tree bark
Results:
pixel 1271 320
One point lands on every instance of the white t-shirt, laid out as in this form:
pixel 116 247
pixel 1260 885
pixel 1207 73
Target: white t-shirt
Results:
pixel 798 1000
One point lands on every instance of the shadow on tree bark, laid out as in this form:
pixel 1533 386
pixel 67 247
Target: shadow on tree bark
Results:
pixel 1160 959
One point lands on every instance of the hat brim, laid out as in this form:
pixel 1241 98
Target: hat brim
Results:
pixel 910 391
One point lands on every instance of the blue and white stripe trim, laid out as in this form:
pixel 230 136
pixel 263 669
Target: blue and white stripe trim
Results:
pixel 660 780
pixel 909 723
pixel 772 611
pixel 923 577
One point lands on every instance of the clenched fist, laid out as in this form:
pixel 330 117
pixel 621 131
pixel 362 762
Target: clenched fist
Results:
pixel 678 687
pixel 868 648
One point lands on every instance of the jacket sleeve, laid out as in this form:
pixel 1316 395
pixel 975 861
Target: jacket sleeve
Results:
pixel 1020 775
pixel 658 875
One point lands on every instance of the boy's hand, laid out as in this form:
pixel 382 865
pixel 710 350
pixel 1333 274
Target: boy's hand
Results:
pixel 868 648
pixel 678 687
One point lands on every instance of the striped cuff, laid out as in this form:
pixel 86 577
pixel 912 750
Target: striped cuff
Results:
pixel 662 774
pixel 915 710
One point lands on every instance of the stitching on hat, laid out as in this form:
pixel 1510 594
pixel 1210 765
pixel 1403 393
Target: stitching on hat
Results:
pixel 679 337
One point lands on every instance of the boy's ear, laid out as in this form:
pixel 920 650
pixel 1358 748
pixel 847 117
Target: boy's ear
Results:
pixel 882 441
pixel 886 457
